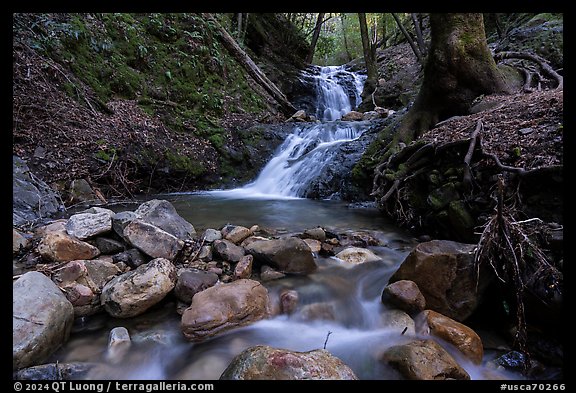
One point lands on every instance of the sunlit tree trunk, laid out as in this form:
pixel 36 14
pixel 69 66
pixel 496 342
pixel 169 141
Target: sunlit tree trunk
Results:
pixel 315 36
pixel 369 57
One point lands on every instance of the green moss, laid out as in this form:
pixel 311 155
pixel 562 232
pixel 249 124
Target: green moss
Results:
pixel 183 163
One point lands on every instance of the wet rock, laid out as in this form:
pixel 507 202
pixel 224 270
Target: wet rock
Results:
pixel 461 336
pixel 86 225
pixel 315 245
pixel 19 242
pixel 399 321
pixel 264 362
pixel 315 233
pixel 372 115
pixel 118 344
pixel 299 116
pixel 60 247
pixel 238 234
pixel 405 295
pixel 444 272
pixel 326 250
pixel 291 255
pixel 109 246
pixel 56 372
pixel 211 235
pixel 134 292
pixel 132 258
pixel 288 301
pixel 353 116
pixel 32 198
pixel 268 274
pixel 322 310
pixel 42 318
pixel 513 360
pixel 424 360
pixel 228 251
pixel 152 240
pixel 163 215
pixel 190 282
pixel 224 307
pixel 205 254
pixel 357 255
pixel 243 268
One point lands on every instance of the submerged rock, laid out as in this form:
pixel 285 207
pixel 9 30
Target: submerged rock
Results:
pixel 56 371
pixel 42 318
pixel 224 307
pixel 357 255
pixel 264 362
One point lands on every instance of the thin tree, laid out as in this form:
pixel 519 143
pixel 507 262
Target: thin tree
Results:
pixel 369 57
pixel 418 31
pixel 346 49
pixel 315 36
pixel 415 48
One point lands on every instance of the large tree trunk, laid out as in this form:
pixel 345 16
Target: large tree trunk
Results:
pixel 252 69
pixel 369 57
pixel 315 36
pixel 459 68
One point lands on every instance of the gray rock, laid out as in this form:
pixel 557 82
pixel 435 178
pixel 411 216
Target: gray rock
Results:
pixel 85 225
pixel 32 199
pixel 120 220
pixel 228 251
pixel 97 210
pixel 205 254
pixel 405 295
pixel 399 321
pixel 152 240
pixel 424 360
pixel 42 318
pixel 291 255
pixel 132 258
pixel 134 292
pixel 371 115
pixel 264 362
pixel 19 242
pixel 109 246
pixel 163 215
pixel 191 282
pixel 444 272
pixel 81 192
pixel 118 344
pixel 210 235
pixel 316 234
pixel 353 116
pixel 224 307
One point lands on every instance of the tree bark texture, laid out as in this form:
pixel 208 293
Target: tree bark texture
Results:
pixel 315 36
pixel 369 57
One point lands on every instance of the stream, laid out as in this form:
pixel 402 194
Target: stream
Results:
pixel 339 306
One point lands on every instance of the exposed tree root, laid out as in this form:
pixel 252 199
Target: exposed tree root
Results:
pixel 543 63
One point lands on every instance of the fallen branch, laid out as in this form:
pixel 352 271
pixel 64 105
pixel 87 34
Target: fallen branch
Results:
pixel 467 178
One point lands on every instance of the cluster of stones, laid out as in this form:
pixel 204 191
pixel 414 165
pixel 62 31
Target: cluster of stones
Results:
pixel 124 263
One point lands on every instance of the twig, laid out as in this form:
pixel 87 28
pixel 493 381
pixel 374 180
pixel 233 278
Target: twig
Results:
pixel 326 342
pixel 467 178
pixel 199 248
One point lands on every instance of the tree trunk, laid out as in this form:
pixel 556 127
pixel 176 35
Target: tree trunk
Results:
pixel 419 38
pixel 459 68
pixel 369 57
pixel 252 69
pixel 315 36
pixel 409 39
pixel 348 55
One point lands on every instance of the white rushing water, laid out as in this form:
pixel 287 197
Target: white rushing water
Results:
pixel 312 146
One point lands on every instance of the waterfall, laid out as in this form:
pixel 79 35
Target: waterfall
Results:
pixel 311 146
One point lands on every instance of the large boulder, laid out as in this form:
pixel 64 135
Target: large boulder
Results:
pixel 405 295
pixel 41 319
pixel 134 292
pixel 290 255
pixel 162 214
pixel 85 225
pixel 32 199
pixel 461 336
pixel 224 307
pixel 60 247
pixel 152 240
pixel 264 362
pixel 444 272
pixel 424 360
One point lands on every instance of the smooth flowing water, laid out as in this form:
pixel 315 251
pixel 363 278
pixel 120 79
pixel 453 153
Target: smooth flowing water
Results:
pixel 339 306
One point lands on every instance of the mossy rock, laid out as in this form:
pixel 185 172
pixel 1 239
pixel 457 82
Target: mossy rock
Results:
pixel 442 196
pixel 460 219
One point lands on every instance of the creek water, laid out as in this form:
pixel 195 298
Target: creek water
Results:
pixel 339 306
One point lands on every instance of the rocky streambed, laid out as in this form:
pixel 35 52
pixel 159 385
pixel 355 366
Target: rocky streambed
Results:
pixel 158 283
